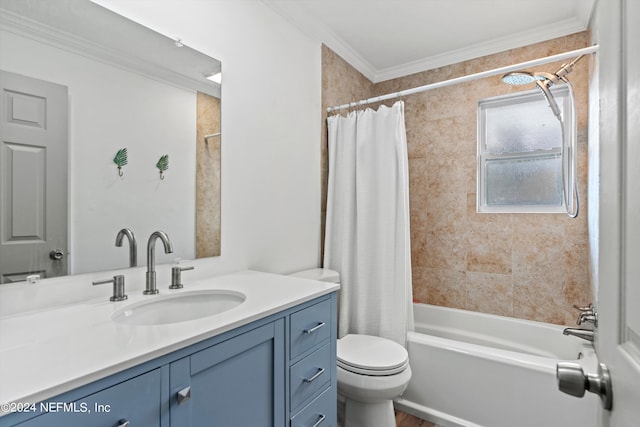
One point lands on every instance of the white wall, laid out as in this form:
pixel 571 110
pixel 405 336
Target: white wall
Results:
pixel 109 109
pixel 270 127
pixel 271 100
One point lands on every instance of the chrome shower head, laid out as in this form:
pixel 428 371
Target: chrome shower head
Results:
pixel 525 77
pixel 520 78
pixel 544 88
pixel 543 82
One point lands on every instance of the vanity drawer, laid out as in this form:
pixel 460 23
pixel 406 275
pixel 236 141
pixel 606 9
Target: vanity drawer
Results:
pixel 310 375
pixel 137 400
pixel 319 413
pixel 310 327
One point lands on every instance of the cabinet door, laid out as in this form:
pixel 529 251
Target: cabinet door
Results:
pixel 136 400
pixel 239 382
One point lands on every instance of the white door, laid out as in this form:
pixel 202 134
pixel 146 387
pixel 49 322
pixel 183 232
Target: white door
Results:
pixel 618 342
pixel 33 178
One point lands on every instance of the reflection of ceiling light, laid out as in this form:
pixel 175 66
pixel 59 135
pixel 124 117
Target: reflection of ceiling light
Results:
pixel 179 42
pixel 217 77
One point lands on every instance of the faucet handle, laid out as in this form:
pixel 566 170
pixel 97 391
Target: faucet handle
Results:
pixel 176 276
pixel 589 317
pixel 587 314
pixel 582 309
pixel 118 287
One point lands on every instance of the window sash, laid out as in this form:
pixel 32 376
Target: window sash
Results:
pixel 487 157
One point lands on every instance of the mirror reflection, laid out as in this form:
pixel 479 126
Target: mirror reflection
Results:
pixel 105 125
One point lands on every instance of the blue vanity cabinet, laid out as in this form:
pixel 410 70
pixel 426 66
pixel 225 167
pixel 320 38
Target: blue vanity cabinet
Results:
pixel 280 374
pixel 239 382
pixel 136 401
pixel 312 361
pixel 279 371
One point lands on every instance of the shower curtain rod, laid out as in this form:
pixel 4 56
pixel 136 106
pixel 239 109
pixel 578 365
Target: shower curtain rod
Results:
pixel 470 77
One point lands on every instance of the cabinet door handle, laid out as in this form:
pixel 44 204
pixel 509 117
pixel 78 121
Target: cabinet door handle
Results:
pixel 184 395
pixel 315 376
pixel 320 421
pixel 123 423
pixel 315 328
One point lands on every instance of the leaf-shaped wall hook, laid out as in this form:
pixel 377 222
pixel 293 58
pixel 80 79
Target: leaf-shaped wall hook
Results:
pixel 120 159
pixel 163 165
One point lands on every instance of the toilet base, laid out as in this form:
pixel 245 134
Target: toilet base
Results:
pixel 359 414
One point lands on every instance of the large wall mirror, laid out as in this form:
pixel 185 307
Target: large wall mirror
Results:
pixel 84 90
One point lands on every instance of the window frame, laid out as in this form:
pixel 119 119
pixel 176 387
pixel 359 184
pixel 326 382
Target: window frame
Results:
pixel 563 152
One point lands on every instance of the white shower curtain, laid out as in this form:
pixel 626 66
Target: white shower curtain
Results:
pixel 367 229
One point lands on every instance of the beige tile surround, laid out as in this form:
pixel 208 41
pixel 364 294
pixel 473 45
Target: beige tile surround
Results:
pixel 532 266
pixel 207 176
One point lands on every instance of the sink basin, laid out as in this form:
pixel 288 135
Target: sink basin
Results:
pixel 189 305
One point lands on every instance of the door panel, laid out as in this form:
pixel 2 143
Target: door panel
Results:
pixel 239 382
pixel 25 212
pixel 631 291
pixel 618 340
pixel 33 177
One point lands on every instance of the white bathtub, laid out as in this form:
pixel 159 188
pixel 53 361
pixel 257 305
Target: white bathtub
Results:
pixel 474 369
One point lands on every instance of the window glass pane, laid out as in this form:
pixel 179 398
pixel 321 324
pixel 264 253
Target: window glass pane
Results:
pixel 523 127
pixel 524 181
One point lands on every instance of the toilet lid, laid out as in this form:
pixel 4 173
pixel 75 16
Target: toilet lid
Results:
pixel 370 355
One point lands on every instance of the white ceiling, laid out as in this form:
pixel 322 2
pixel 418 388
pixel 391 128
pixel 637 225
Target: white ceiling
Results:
pixel 385 39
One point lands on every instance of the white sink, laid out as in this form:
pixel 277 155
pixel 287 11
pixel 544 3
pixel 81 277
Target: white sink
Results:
pixel 189 305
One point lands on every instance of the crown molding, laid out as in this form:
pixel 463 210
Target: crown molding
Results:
pixel 317 31
pixel 525 38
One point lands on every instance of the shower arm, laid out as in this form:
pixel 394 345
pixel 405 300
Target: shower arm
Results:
pixel 566 69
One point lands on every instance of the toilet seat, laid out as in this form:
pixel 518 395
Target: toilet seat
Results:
pixel 370 355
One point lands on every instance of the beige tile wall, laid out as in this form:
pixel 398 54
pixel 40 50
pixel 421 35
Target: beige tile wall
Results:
pixel 341 83
pixel 532 266
pixel 207 176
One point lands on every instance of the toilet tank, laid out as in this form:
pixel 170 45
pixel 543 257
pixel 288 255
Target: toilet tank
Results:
pixel 320 274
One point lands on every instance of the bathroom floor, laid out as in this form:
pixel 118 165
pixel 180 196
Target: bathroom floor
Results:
pixel 406 420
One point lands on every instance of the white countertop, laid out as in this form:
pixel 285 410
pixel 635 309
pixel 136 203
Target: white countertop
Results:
pixel 50 351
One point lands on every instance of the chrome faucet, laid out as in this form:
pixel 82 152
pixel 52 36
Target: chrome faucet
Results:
pixel 150 288
pixel 133 246
pixel 588 317
pixel 588 314
pixel 585 334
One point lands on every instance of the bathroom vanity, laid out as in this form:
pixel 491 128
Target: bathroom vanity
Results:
pixel 269 361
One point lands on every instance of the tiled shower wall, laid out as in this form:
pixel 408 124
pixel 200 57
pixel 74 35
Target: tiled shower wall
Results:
pixel 207 176
pixel 532 266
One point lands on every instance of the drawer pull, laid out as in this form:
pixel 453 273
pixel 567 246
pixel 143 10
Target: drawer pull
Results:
pixel 315 328
pixel 315 376
pixel 123 423
pixel 320 421
pixel 184 395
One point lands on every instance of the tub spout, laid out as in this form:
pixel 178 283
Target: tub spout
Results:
pixel 585 334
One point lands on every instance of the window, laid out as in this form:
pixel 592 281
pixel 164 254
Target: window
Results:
pixel 521 164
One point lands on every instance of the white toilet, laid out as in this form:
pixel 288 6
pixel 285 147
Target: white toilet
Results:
pixel 371 371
